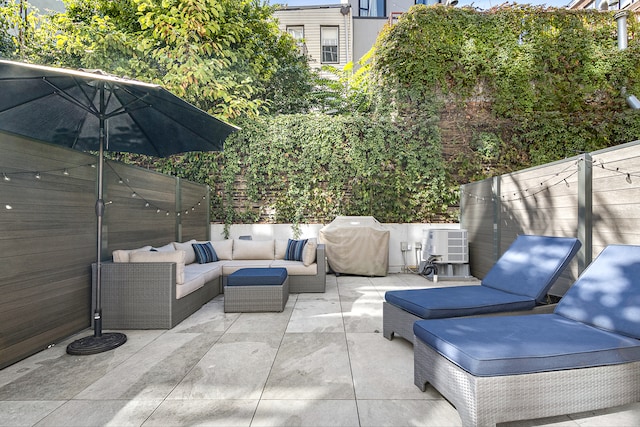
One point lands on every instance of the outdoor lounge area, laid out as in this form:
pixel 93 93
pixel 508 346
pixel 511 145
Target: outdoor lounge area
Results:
pixel 321 362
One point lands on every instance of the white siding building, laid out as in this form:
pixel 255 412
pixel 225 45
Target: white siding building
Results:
pixel 355 23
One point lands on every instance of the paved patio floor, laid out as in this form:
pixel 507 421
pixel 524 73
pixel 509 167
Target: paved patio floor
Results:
pixel 321 362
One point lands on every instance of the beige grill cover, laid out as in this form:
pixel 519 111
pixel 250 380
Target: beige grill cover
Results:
pixel 356 245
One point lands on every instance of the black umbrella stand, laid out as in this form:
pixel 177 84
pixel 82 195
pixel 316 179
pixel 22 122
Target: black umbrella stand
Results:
pixel 98 342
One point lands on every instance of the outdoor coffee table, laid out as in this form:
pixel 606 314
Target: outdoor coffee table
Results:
pixel 256 289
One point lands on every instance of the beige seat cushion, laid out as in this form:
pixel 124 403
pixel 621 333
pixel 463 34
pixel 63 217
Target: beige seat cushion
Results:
pixel 122 255
pixel 176 256
pixel 309 252
pixel 190 254
pixel 253 249
pixel 223 248
pixel 281 248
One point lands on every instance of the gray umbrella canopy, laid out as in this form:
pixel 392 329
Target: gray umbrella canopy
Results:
pixel 91 111
pixel 64 107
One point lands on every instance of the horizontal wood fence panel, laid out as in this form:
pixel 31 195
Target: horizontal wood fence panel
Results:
pixel 48 235
pixel 595 196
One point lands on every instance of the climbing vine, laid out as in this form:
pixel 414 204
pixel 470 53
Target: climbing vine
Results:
pixel 535 84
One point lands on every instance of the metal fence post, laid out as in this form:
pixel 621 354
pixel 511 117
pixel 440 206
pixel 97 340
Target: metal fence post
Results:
pixel 585 211
pixel 178 210
pixel 495 199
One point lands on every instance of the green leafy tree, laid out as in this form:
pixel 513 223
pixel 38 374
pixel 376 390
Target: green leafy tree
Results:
pixel 225 56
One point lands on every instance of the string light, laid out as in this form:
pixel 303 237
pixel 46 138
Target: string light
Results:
pixel 66 171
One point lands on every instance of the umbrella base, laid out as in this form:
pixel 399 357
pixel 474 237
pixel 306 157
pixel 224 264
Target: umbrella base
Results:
pixel 93 345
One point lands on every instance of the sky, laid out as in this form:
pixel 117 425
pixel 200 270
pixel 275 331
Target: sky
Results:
pixel 482 4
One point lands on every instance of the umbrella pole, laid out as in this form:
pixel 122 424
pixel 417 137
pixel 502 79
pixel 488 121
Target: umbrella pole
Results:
pixel 99 342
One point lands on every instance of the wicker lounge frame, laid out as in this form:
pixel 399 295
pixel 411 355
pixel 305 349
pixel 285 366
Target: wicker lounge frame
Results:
pixel 484 401
pixel 582 357
pixel 397 320
pixel 148 301
pixel 246 299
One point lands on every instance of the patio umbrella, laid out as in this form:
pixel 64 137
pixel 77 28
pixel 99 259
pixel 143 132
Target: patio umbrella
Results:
pixel 92 111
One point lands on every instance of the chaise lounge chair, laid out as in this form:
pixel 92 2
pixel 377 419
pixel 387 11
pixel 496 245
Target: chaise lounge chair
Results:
pixel 584 356
pixel 518 281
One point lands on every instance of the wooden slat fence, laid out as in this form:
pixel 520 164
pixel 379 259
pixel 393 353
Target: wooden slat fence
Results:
pixel 593 196
pixel 48 234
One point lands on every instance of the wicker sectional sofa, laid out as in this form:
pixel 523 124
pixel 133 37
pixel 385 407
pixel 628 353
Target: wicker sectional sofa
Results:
pixel 157 288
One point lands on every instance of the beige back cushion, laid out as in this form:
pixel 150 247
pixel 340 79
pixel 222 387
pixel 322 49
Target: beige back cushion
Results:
pixel 253 249
pixel 190 255
pixel 176 256
pixel 223 248
pixel 123 255
pixel 281 248
pixel 309 252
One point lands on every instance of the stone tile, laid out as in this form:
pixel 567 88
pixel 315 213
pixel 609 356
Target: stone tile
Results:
pixel 330 294
pixel 383 369
pixel 21 413
pixel 365 291
pixel 306 413
pixel 211 318
pixel 559 421
pixel 236 367
pixel 275 323
pixel 396 413
pixel 196 412
pixel 362 316
pixel 620 416
pixel 87 413
pixel 311 366
pixel 64 376
pixel 155 370
pixel 316 316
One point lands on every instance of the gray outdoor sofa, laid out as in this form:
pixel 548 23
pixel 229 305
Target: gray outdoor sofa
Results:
pixel 157 288
pixel 584 356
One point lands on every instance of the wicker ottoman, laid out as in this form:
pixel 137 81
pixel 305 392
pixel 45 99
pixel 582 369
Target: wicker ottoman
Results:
pixel 256 289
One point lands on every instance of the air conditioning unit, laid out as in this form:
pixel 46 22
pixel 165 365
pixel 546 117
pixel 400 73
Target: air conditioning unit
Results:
pixel 445 246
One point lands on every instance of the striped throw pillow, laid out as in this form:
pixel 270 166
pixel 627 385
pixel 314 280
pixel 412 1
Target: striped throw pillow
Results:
pixel 204 252
pixel 294 250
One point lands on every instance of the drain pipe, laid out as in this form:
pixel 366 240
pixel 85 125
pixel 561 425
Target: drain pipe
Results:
pixel 621 21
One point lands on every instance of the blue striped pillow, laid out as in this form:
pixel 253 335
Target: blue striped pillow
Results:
pixel 294 250
pixel 204 252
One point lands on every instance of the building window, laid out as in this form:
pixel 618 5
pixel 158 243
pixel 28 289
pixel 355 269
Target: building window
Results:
pixel 329 44
pixel 297 32
pixel 374 8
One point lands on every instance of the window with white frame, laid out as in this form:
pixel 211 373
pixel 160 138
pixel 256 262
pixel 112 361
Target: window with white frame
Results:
pixel 329 44
pixel 297 32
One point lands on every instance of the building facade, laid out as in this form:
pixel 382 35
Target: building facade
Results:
pixel 340 33
pixel 631 5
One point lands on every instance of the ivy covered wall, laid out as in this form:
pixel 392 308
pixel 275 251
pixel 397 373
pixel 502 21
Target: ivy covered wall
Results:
pixel 311 167
pixel 449 96
pixel 518 86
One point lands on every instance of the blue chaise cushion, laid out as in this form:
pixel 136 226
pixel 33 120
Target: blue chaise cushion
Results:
pixel 531 265
pixel 257 277
pixel 607 294
pixel 457 301
pixel 511 345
